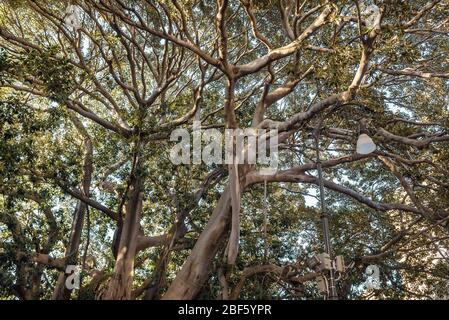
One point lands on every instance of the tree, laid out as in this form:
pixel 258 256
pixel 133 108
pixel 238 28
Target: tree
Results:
pixel 86 116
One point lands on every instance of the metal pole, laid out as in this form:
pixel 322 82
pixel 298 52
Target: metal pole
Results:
pixel 332 294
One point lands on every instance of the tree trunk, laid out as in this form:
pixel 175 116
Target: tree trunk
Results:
pixel 61 292
pixel 120 286
pixel 71 256
pixel 193 274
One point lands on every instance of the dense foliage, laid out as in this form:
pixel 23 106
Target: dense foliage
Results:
pixel 85 122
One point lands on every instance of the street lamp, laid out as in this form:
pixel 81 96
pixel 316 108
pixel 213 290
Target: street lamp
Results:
pixel 326 262
pixel 365 145
pixel 332 292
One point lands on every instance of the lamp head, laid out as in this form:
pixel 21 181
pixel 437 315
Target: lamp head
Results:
pixel 365 145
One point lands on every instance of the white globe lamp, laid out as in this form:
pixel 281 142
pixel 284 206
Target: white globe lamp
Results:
pixel 365 145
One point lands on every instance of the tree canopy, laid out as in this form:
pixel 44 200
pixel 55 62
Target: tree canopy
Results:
pixel 86 114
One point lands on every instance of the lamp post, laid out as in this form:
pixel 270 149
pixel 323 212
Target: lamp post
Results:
pixel 332 293
pixel 365 145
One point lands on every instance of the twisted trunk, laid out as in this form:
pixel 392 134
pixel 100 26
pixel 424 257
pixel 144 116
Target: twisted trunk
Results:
pixel 194 272
pixel 120 286
pixel 61 292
